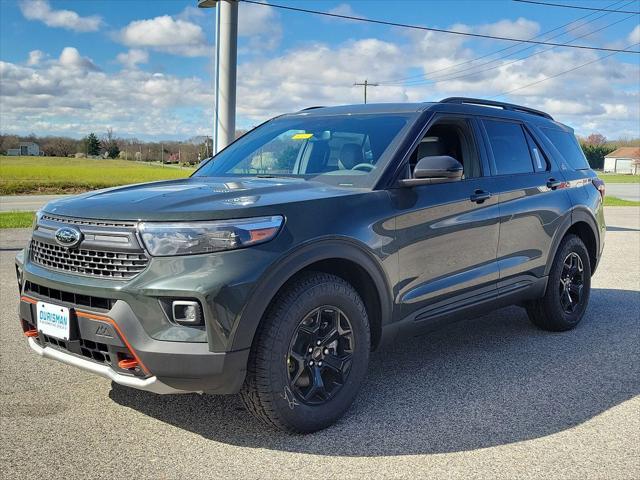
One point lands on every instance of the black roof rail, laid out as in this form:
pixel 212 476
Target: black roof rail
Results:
pixel 492 103
pixel 312 108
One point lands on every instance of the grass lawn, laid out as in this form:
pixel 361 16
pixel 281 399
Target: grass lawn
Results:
pixel 619 178
pixel 23 175
pixel 618 202
pixel 16 219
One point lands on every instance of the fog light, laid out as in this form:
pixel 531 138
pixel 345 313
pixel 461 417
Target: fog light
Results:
pixel 186 312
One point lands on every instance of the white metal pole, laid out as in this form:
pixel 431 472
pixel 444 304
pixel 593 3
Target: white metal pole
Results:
pixel 225 77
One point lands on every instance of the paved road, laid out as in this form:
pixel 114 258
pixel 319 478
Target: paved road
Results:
pixel 25 202
pixel 486 398
pixel 626 191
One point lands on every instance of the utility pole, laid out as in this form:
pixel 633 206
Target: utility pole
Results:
pixel 226 59
pixel 365 85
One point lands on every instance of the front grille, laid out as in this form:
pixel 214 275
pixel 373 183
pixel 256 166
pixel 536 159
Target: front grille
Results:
pixel 108 264
pixel 87 222
pixel 75 299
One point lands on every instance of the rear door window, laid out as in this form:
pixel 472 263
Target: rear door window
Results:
pixel 568 147
pixel 509 146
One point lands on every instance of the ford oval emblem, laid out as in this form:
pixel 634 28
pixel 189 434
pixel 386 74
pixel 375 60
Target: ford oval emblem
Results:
pixel 68 237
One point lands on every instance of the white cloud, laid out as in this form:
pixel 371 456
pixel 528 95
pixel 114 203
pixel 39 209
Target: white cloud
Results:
pixel 343 9
pixel 191 13
pixel 261 25
pixel 133 57
pixel 166 34
pixel 634 36
pixel 587 99
pixel 67 19
pixel 35 57
pixel 521 28
pixel 70 58
pixel 68 96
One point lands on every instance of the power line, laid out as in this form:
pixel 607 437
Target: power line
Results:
pixel 599 59
pixel 457 77
pixel 490 54
pixel 431 29
pixel 577 7
pixel 439 78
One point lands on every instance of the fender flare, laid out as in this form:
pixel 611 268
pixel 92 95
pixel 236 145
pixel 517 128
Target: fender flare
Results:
pixel 281 270
pixel 578 214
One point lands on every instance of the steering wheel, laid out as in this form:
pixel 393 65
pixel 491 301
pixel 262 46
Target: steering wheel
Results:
pixel 362 166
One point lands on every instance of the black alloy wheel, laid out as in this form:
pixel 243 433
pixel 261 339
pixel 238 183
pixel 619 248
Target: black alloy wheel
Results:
pixel 320 355
pixel 571 283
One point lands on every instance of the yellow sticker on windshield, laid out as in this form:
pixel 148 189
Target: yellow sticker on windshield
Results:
pixel 302 136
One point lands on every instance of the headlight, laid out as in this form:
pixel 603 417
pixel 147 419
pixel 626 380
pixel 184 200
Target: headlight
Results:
pixel 36 219
pixel 178 238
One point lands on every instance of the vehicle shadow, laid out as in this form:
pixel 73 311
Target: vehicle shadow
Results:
pixel 475 384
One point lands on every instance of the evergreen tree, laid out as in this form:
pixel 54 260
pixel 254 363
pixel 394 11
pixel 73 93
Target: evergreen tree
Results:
pixel 92 144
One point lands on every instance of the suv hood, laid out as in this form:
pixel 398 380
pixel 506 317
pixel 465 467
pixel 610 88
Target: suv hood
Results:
pixel 196 198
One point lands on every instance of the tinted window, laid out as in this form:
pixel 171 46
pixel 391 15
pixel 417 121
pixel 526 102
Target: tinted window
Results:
pixel 509 146
pixel 568 147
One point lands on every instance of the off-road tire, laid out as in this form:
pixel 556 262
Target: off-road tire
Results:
pixel 547 312
pixel 266 392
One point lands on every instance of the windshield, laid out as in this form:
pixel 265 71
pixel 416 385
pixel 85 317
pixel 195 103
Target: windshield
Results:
pixel 348 150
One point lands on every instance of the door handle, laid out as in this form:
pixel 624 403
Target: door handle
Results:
pixel 480 196
pixel 552 183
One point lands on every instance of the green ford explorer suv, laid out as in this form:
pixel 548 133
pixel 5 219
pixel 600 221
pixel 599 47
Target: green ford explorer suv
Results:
pixel 283 261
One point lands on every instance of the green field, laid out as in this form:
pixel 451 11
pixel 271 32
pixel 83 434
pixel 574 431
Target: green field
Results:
pixel 619 178
pixel 22 175
pixel 16 219
pixel 619 202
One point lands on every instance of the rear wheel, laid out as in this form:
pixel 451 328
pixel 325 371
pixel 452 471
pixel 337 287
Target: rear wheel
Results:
pixel 568 288
pixel 310 355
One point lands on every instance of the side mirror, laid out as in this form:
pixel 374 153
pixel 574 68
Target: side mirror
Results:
pixel 436 169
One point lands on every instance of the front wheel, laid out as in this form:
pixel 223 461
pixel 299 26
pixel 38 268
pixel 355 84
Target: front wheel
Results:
pixel 568 289
pixel 310 355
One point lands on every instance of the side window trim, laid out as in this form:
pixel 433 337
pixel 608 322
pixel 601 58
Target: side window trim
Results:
pixel 487 144
pixel 492 160
pixel 540 161
pixel 544 145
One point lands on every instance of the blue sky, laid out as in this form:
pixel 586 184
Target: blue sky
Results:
pixel 144 68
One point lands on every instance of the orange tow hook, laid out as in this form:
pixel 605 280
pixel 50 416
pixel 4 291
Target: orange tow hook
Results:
pixel 127 363
pixel 31 333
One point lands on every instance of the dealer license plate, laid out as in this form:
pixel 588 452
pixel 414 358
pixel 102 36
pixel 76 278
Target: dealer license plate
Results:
pixel 53 320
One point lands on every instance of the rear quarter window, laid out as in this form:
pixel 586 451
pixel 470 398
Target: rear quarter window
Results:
pixel 568 147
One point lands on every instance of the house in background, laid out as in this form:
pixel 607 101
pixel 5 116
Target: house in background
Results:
pixel 623 160
pixel 25 149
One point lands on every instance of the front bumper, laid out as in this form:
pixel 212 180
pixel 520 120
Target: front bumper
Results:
pixel 128 327
pixel 98 342
pixel 150 384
